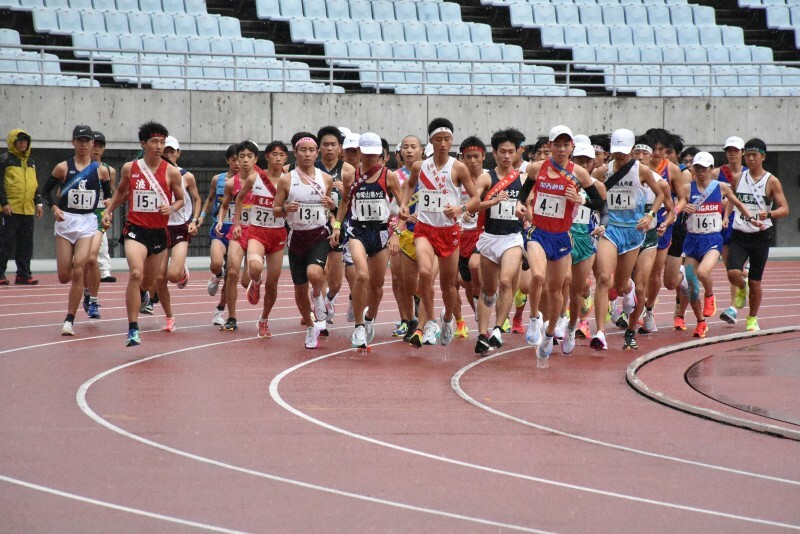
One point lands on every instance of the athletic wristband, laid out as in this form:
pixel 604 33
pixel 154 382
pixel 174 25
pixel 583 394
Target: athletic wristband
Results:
pixel 676 210
pixel 769 215
pixel 651 214
pixel 202 215
pixel 337 225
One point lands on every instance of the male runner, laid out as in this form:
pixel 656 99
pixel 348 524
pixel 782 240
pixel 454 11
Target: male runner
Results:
pixel 473 155
pixel 103 258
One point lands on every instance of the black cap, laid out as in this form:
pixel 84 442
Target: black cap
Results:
pixel 756 144
pixel 99 138
pixel 22 136
pixel 82 131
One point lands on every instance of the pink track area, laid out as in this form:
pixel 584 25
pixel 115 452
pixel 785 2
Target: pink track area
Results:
pixel 206 430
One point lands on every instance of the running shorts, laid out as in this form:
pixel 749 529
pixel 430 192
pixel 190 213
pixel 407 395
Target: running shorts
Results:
pixel 374 238
pixel 156 240
pixel 493 246
pixel 468 242
pixel 750 246
pixel 407 246
pixel 273 239
pixel 314 254
pixel 582 247
pixel 678 235
pixel 555 245
pixel 625 238
pixel 222 236
pixel 76 226
pixel 696 246
pixel 666 239
pixel 650 239
pixel 178 233
pixel 444 239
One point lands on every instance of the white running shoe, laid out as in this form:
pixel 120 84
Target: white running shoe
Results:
pixel 599 341
pixel 219 318
pixel 359 338
pixel 447 330
pixel 431 333
pixel 312 341
pixel 616 310
pixel 213 284
pixel 320 310
pixel 329 308
pixel 561 327
pixel 684 285
pixel 649 322
pixel 545 348
pixel 534 332
pixel 629 300
pixel 67 329
pixel 351 313
pixel 369 327
pixel 568 343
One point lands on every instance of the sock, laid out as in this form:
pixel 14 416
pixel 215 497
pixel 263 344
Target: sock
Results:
pixel 648 308
pixel 133 326
pixel 93 300
pixel 232 319
pixel 359 324
pixel 368 319
pixel 220 308
pixel 86 291
pixel 70 318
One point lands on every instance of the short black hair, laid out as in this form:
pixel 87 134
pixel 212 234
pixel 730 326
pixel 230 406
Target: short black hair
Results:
pixel 439 122
pixel 247 145
pixel 276 144
pixel 689 151
pixel 660 136
pixel 676 143
pixel 509 135
pixel 299 135
pixel 520 136
pixel 540 142
pixel 471 141
pixel 330 130
pixel 602 140
pixel 644 140
pixel 230 152
pixel 385 145
pixel 755 144
pixel 150 129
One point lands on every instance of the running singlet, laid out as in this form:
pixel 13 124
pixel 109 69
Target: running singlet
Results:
pixel 371 201
pixel 747 196
pixel 552 212
pixel 663 173
pixel 219 192
pixel 626 199
pixel 650 197
pixel 467 223
pixel 708 217
pixel 336 174
pixel 726 175
pixel 247 202
pixel 144 201
pixel 436 192
pixel 501 219
pixel 312 214
pixel 85 196
pixel 584 221
pixel 263 196
pixel 185 213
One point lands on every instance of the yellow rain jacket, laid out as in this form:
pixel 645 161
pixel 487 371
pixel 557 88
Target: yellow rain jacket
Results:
pixel 19 186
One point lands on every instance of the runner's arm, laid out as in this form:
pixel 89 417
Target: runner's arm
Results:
pixel 410 185
pixel 174 182
pixel 774 191
pixel 209 202
pixel 120 194
pixel 247 186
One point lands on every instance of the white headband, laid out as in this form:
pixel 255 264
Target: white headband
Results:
pixel 644 147
pixel 440 130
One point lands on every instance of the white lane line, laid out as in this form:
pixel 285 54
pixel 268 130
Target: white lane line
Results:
pixel 84 406
pixel 273 390
pixel 118 507
pixel 455 383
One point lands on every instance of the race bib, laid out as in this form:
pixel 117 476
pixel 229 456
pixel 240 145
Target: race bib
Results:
pixel 229 214
pixel 80 199
pixel 311 214
pixel 371 209
pixel 265 218
pixel 620 200
pixel 145 201
pixel 583 215
pixel 245 215
pixel 552 206
pixel 705 223
pixel 431 201
pixel 504 210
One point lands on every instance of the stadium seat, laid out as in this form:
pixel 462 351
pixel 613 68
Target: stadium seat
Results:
pixel 724 75
pixel 287 10
pixel 567 14
pixel 703 16
pixel 324 30
pixel 425 51
pixel 360 10
pixel 74 4
pixel 139 23
pixel 643 36
pixel 346 31
pixel 574 35
pixel 104 5
pixel 732 35
pixel 315 9
pixel 167 6
pixel 658 15
pixel 544 14
pixel 666 36
pixel 761 54
pixel 552 35
pixel 451 51
pixel 264 48
pixel 30 5
pixel 449 12
pixel 688 36
pixel 415 32
pixel 69 20
pixel 338 9
pixel 738 54
pixel 621 35
pixel 520 15
pixel 405 11
pixel 403 51
pixel 512 52
pixel 681 16
pixel 162 25
pixel 635 15
pixel 195 7
pixel 590 13
pixel 220 45
pixel 45 20
pixel 107 45
pixel 779 17
pixel 480 33
pixel 207 25
pixel 437 32
pixel 382 50
pixel 584 57
pixel 127 5
pixel 83 42
pixel 710 35
pixel 597 35
pixel 428 11
pixel 301 30
pixel 606 54
pixel 465 52
pixel 628 54
pixel 491 51
pixel 673 54
pixel 695 54
pixel 230 27
pixel 382 10
pixel 459 33
pixel 613 14
pixel 93 21
pixel 651 55
pixel 370 31
pixel 185 25
pixel 176 45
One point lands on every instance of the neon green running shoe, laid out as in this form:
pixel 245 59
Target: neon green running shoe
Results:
pixel 740 298
pixel 520 299
pixel 506 326
pixel 586 305
pixel 752 324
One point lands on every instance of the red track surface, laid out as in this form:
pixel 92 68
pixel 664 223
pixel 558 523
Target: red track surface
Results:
pixel 211 430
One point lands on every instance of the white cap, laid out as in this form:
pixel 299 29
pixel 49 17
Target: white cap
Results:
pixel 583 149
pixel 735 142
pixel 370 143
pixel 704 159
pixel 622 141
pixel 351 141
pixel 581 139
pixel 345 131
pixel 428 150
pixel 560 130
pixel 171 142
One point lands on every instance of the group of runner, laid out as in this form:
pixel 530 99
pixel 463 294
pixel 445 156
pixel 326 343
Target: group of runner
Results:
pixel 639 212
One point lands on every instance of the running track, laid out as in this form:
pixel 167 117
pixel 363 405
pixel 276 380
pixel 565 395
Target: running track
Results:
pixel 226 432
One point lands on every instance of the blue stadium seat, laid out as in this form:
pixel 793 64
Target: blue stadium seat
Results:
pixel 338 9
pixel 30 5
pixel 45 20
pixel 567 14
pixel 415 32
pixel 606 54
pixel 466 52
pixel 651 55
pixel 370 30
pixel 405 11
pixel 451 51
pixel 613 14
pixel 643 36
pixel 128 5
pixel 207 25
pixel 162 25
pixel 264 48
pixel 139 23
pixel 301 30
pixel 9 40
pixel 154 47
pixel 681 15
pixel 621 35
pixel 658 15
pixel 150 6
pixel 58 4
pixel 544 14
pixel 512 52
pixel 403 51
pixel 628 54
pixel 324 30
pixel 360 10
pixel 794 13
pixel 574 35
pixel 267 9
pixel 719 54
pixel 673 54
pixel 382 10
pixel 552 35
pixel 382 50
pixel 437 32
pixel 520 15
pixel 83 42
pixel 710 35
pixel 584 57
pixel 761 54
pixel 93 21
pixel 176 45
pixel 597 35
pixel 491 51
pixel 75 4
pixel 289 10
pixel 104 5
pixel 359 50
pixel 779 17
pixel 666 36
pixel 635 15
pixel 230 27
pixel 425 51
pixel 195 7
pixel 703 16
pixel 459 33
pixel 337 49
pixel 429 11
pixel 167 6
pixel 590 13
pixel 315 9
pixel 695 54
pixel 107 45
pixel 449 12
pixel 738 54
pixel 480 33
pixel 185 25
pixel 131 44
pixel 393 31
pixel 688 36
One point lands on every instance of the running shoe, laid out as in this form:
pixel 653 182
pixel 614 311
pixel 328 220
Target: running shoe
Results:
pixel 351 314
pixel 431 333
pixel 462 330
pixel 359 338
pixel 412 327
pixel 482 346
pixel 561 327
pixel 700 330
pixel 67 329
pixel 263 328
pixel 709 306
pixel 254 291
pixel 520 299
pixel 729 315
pixel 516 325
pixel 649 322
pixel 586 305
pixel 598 342
pixel 533 334
pixel 22 281
pixel 448 329
pixel 583 330
pixel 622 322
pixel 496 338
pixel 133 338
pixel 630 341
pixel 184 279
pixel 86 301
pixel 329 309
pixel 369 327
pixel 401 329
pixel 169 326
pixel 679 323
pixel 683 287
pixel 219 318
pixel 545 348
pixel 416 338
pixel 311 338
pixel 629 300
pixel 740 299
pixel 694 283
pixel 230 325
pixel 416 306
pixel 146 307
pixel 320 310
pixel 506 326
pixel 108 279
pixel 94 310
pixel 752 324
pixel 616 310
pixel 213 284
pixel 568 344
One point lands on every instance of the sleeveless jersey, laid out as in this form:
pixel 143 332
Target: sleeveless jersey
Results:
pixel 501 219
pixel 312 214
pixel 747 196
pixel 650 197
pixel 143 201
pixel 584 221
pixel 219 192
pixel 84 197
pixel 708 217
pixel 663 173
pixel 472 222
pixel 726 175
pixel 336 174
pixel 626 199
pixel 261 214
pixel 184 214
pixel 371 201
pixel 247 202
pixel 432 202
pixel 552 212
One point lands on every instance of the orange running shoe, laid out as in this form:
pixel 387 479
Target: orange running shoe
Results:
pixel 701 329
pixel 679 324
pixel 583 330
pixel 709 306
pixel 516 325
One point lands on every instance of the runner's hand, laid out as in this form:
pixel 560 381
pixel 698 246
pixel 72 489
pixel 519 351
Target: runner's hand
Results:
pixel 334 239
pixel 452 211
pixel 690 208
pixel 106 220
pixel 394 245
pixel 328 202
pixel 521 212
pixel 403 213
pixel 572 194
pixel 57 213
pixel 192 229
pixel 599 231
pixel 236 231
